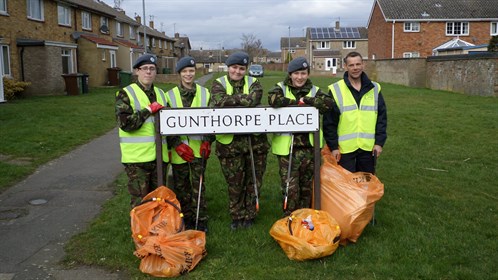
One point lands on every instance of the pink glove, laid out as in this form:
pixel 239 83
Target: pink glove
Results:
pixel 205 149
pixel 185 152
pixel 154 107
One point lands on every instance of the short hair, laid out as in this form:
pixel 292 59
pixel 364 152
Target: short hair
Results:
pixel 352 54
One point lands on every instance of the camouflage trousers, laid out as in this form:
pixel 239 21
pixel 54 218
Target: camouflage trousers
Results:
pixel 300 190
pixel 142 179
pixel 186 180
pixel 238 175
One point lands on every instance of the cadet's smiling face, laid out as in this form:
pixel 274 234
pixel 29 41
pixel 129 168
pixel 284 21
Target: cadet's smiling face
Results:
pixel 187 75
pixel 299 78
pixel 237 72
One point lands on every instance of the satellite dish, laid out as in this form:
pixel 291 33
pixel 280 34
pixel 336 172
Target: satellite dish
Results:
pixel 104 28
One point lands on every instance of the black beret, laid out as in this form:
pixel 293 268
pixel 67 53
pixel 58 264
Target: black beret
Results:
pixel 186 61
pixel 145 59
pixel 239 58
pixel 297 64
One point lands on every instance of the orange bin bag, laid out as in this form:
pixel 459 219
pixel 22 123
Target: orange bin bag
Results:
pixel 158 214
pixel 307 234
pixel 348 197
pixel 172 255
pixel 157 226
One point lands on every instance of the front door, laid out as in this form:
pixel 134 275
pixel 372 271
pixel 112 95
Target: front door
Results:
pixel 330 63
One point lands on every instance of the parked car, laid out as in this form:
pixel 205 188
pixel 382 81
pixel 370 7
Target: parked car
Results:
pixel 256 70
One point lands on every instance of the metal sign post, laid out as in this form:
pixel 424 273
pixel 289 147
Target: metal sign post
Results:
pixel 200 121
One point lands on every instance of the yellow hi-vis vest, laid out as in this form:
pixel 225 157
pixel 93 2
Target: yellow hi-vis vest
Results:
pixel 356 129
pixel 281 142
pixel 201 99
pixel 248 81
pixel 139 145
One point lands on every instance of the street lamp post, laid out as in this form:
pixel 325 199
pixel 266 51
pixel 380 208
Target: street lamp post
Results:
pixel 145 28
pixel 288 49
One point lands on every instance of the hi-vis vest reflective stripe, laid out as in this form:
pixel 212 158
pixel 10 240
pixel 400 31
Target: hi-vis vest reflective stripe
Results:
pixel 356 125
pixel 281 142
pixel 139 145
pixel 248 81
pixel 201 99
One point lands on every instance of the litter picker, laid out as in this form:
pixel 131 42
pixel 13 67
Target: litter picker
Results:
pixel 254 174
pixel 374 156
pixel 287 182
pixel 200 190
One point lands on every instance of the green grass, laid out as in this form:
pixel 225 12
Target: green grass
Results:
pixel 437 219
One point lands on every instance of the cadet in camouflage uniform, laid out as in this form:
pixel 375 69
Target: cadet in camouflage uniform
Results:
pixel 135 106
pixel 189 154
pixel 232 90
pixel 297 89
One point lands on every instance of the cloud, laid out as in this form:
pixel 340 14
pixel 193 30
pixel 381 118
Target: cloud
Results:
pixel 210 24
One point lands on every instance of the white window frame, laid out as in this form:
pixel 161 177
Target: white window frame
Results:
pixel 132 32
pixel 160 42
pixel 411 26
pixel 494 28
pixel 3 7
pixel 104 21
pixel 63 15
pixel 35 10
pixel 322 45
pixel 119 29
pixel 349 44
pixel 113 58
pixel 153 42
pixel 69 53
pixel 86 20
pixel 5 60
pixel 104 55
pixel 463 27
pixel 411 54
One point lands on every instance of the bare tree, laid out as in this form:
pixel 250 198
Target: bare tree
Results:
pixel 252 45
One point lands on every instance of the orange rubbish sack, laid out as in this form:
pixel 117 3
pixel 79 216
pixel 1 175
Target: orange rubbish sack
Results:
pixel 162 244
pixel 348 197
pixel 307 234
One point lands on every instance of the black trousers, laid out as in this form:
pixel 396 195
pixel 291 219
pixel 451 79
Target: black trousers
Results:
pixel 357 161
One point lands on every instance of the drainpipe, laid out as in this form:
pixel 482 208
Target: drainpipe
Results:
pixel 392 40
pixel 22 64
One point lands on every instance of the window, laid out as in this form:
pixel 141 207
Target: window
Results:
pixel 132 32
pixel 323 45
pixel 103 55
pixel 67 61
pixel 104 25
pixel 457 28
pixel 292 51
pixel 3 7
pixel 112 55
pixel 119 29
pixel 412 27
pixel 5 60
pixel 153 42
pixel 160 44
pixel 86 20
pixel 64 13
pixel 349 45
pixel 411 54
pixel 494 28
pixel 35 9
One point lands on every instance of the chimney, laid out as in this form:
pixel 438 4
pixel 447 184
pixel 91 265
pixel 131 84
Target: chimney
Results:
pixel 138 19
pixel 177 35
pixel 337 26
pixel 151 24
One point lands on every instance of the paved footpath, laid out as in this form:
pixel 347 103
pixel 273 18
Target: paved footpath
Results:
pixel 40 214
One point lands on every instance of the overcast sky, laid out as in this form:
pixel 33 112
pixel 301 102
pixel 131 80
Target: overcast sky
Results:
pixel 211 24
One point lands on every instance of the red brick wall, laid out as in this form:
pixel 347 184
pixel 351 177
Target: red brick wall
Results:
pixel 379 36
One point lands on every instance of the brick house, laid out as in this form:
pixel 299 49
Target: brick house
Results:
pixel 295 46
pixel 413 28
pixel 327 46
pixel 40 40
